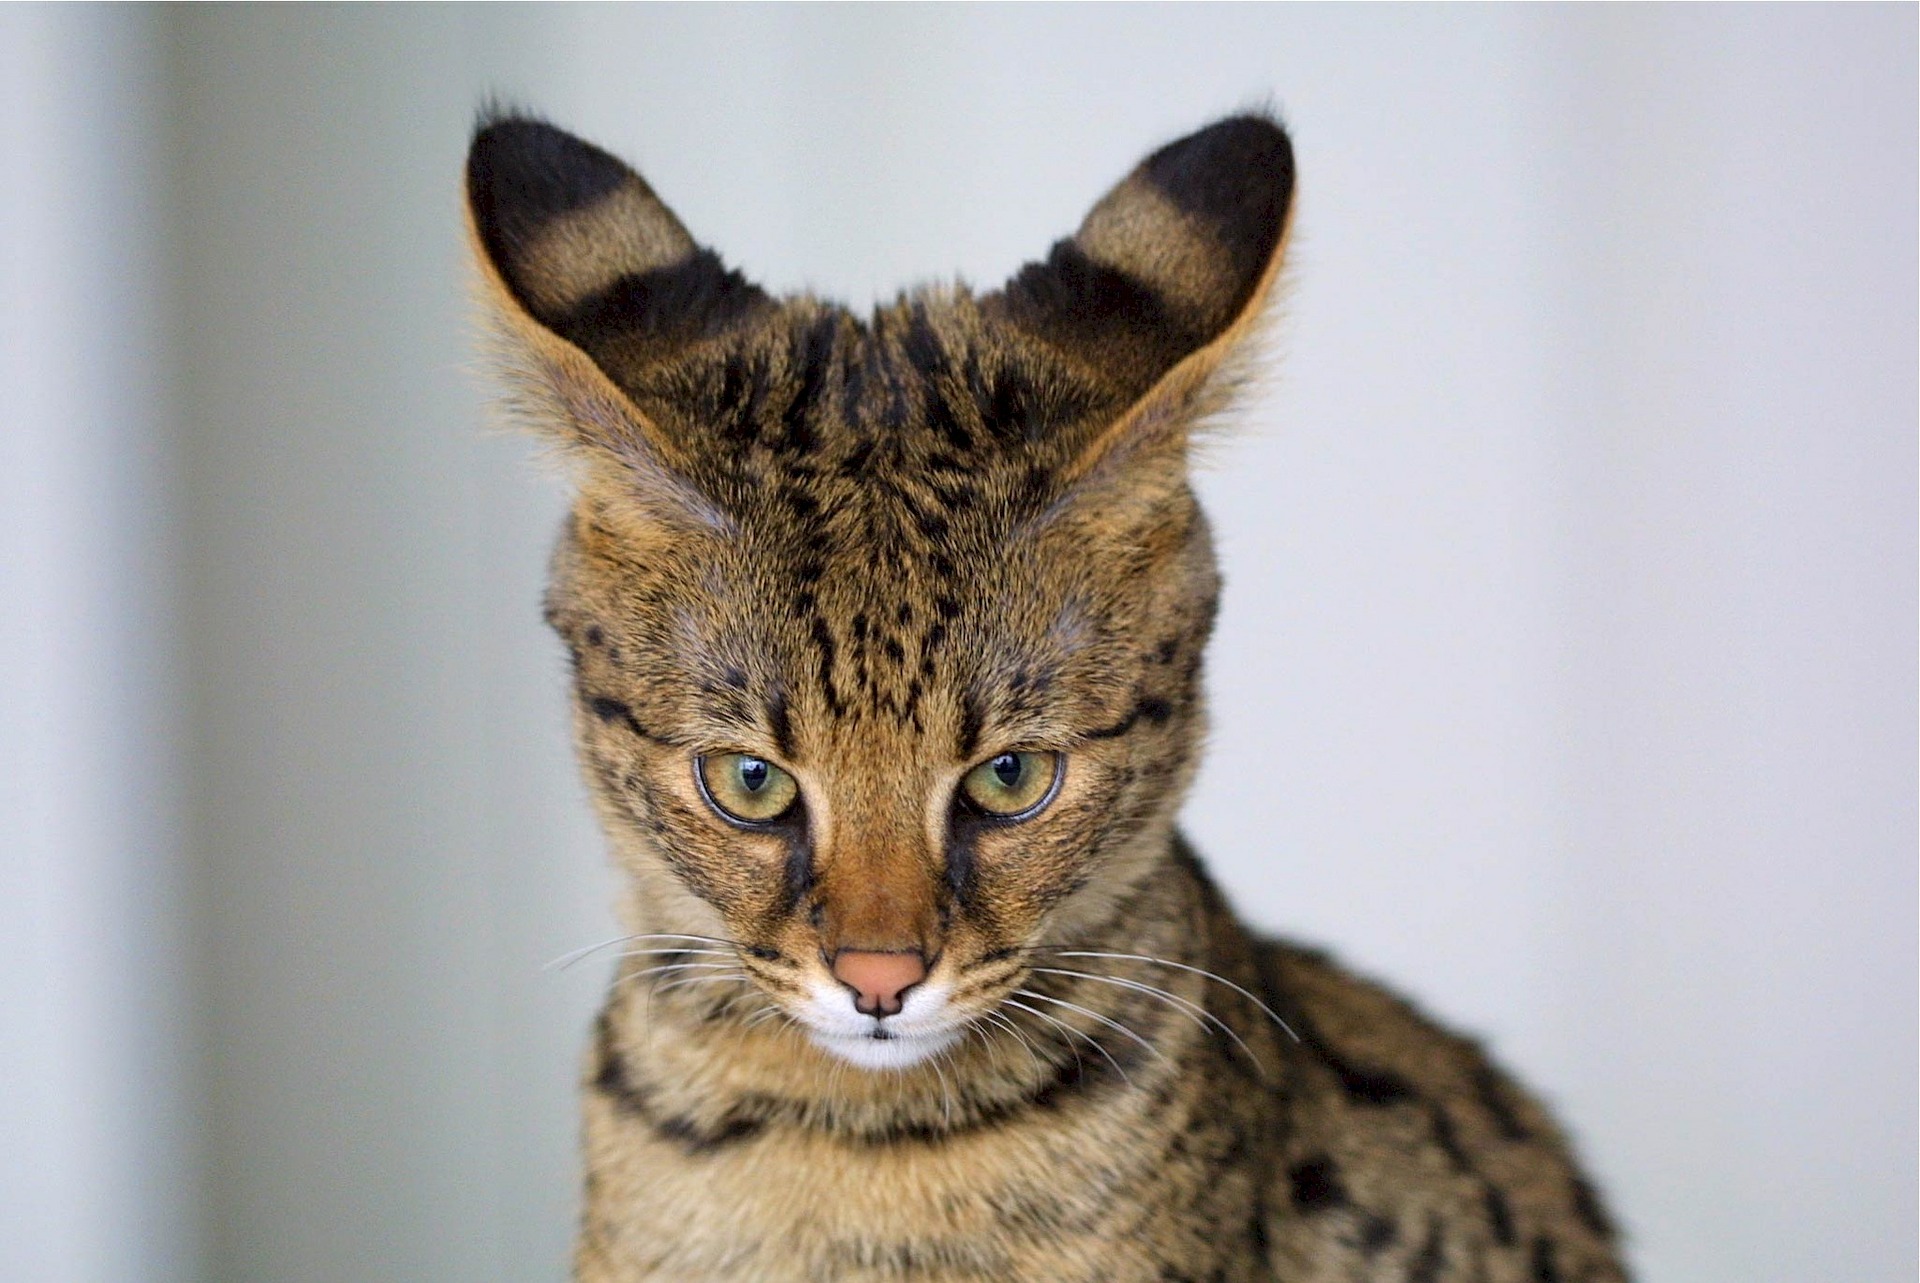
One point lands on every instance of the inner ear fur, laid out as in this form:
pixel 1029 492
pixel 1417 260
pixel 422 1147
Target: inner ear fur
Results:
pixel 1165 279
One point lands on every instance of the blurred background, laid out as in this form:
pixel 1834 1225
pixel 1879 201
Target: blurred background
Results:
pixel 1566 677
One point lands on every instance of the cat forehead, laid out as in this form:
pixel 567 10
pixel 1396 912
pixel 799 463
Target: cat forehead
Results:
pixel 930 379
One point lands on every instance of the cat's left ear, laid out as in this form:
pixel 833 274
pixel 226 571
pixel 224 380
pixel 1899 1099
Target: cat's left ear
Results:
pixel 1164 281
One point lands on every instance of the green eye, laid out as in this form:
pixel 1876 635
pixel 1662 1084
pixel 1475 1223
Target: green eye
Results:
pixel 746 789
pixel 1012 784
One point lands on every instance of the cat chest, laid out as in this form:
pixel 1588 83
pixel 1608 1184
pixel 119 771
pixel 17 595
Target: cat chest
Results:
pixel 1042 1201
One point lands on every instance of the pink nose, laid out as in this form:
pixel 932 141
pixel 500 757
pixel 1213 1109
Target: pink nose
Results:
pixel 878 980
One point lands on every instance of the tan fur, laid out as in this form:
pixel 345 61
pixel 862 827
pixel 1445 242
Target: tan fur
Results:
pixel 877 553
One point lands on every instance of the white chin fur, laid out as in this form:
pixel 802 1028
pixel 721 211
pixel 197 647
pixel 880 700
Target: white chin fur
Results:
pixel 888 1053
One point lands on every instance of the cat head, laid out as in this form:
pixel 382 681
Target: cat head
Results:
pixel 886 632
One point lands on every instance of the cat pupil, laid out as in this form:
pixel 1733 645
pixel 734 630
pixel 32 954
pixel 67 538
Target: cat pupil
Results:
pixel 753 774
pixel 1006 768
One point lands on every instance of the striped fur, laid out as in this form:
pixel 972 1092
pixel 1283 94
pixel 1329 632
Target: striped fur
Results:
pixel 877 552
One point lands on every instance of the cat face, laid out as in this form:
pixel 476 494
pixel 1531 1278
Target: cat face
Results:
pixel 886 633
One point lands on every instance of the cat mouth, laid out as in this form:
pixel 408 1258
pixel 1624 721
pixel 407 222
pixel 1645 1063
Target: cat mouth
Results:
pixel 884 1048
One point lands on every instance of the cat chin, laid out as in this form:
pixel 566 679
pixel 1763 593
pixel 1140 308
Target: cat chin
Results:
pixel 899 1052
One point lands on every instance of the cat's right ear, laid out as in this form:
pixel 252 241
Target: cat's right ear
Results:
pixel 592 286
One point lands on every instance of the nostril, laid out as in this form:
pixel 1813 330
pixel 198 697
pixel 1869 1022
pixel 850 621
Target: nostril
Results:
pixel 879 980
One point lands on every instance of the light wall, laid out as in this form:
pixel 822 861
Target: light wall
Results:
pixel 1565 677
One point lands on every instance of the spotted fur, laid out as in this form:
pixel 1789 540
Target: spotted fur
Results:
pixel 876 552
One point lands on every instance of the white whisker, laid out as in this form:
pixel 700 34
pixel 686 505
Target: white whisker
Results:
pixel 1076 1033
pixel 1148 1047
pixel 572 956
pixel 1003 1022
pixel 1192 1010
pixel 1181 966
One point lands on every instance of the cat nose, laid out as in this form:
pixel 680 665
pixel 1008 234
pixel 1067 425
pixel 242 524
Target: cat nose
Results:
pixel 879 980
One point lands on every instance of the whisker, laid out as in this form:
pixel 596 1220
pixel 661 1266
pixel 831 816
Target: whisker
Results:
pixel 696 980
pixel 645 953
pixel 1077 1033
pixel 572 956
pixel 1094 1015
pixel 761 1016
pixel 1192 1010
pixel 946 1092
pixel 665 967
pixel 1003 1022
pixel 1181 966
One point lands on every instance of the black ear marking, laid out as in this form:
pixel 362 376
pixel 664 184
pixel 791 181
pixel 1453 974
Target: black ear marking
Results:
pixel 1169 260
pixel 1235 179
pixel 589 252
pixel 523 173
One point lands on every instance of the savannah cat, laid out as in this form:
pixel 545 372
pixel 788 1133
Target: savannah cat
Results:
pixel 887 638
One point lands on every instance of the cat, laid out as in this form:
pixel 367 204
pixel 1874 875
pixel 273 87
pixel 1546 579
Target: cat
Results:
pixel 886 641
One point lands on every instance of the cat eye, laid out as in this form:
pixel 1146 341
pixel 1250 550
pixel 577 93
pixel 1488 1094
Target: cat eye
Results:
pixel 744 788
pixel 1013 786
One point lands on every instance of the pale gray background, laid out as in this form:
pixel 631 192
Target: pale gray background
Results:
pixel 1566 676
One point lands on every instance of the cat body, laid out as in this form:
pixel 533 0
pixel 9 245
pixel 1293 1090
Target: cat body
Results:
pixel 887 638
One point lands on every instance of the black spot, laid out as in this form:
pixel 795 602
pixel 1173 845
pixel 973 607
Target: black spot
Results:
pixel 1432 1258
pixel 1316 1185
pixel 1377 1233
pixel 1546 1263
pixel 799 869
pixel 779 723
pixel 612 710
pixel 811 355
pixel 594 636
pixel 801 504
pixel 1371 1086
pixel 971 720
pixel 1008 407
pixel 696 1139
pixel 1447 1138
pixel 1499 1216
pixel 856 463
pixel 921 346
pixel 953 498
pixel 1588 1206
pixel 1494 1099
pixel 824 643
pixel 941 418
pixel 961 869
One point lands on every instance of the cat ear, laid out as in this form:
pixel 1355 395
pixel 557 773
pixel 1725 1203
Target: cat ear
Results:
pixel 594 285
pixel 1164 280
